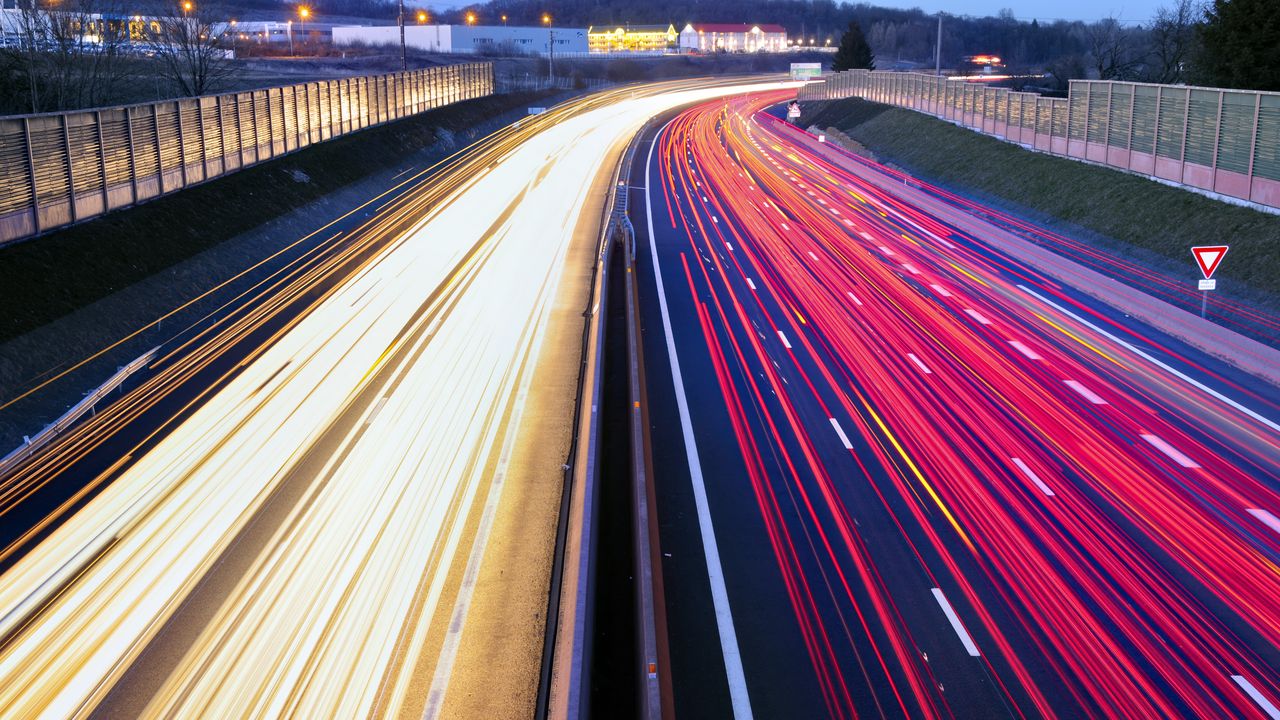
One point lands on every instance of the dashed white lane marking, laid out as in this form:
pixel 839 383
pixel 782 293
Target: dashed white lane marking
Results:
pixel 1172 452
pixel 864 235
pixel 1085 392
pixel 784 226
pixel 1266 518
pixel 919 363
pixel 729 245
pixel 1138 351
pixel 965 638
pixel 840 431
pixel 854 298
pixel 940 290
pixel 815 257
pixel 1031 475
pixel 848 222
pixel 751 284
pixel 1020 347
pixel 784 339
pixel 715 219
pixel 1256 695
pixel 911 268
pixel 886 250
pixel 982 319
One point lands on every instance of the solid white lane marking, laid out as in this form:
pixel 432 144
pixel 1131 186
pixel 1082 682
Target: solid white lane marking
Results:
pixel 1031 354
pixel 1031 475
pixel 956 625
pixel 784 339
pixel 840 431
pixel 1085 392
pixel 1158 363
pixel 1266 518
pixel 977 316
pixel 1172 452
pixel 715 573
pixel 855 298
pixel 940 290
pixel 751 284
pixel 1256 695
pixel 918 362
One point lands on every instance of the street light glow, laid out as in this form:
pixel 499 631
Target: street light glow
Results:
pixel 422 17
pixel 471 18
pixel 304 12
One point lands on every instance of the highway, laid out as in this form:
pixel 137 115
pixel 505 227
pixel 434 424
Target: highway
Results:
pixel 276 518
pixel 903 470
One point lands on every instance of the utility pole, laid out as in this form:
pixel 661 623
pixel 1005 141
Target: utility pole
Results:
pixel 404 60
pixel 937 49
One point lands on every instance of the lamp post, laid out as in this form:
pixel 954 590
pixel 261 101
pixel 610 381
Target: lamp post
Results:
pixel 551 49
pixel 404 60
pixel 289 28
pixel 504 21
pixel 304 12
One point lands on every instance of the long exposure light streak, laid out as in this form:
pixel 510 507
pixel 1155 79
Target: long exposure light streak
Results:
pixel 377 414
pixel 1096 526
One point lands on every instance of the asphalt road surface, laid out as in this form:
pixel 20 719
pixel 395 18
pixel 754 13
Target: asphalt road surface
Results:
pixel 273 520
pixel 903 471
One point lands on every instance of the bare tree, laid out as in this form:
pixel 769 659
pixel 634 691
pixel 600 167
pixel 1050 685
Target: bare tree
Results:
pixel 1172 38
pixel 1114 50
pixel 69 53
pixel 194 46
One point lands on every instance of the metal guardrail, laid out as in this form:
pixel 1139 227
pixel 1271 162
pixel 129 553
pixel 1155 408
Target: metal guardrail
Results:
pixel 77 411
pixel 61 168
pixel 1217 141
pixel 564 690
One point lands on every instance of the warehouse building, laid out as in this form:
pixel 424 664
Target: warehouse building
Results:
pixel 632 38
pixel 465 39
pixel 725 37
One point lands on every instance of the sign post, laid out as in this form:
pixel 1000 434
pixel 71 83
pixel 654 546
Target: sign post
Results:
pixel 1208 257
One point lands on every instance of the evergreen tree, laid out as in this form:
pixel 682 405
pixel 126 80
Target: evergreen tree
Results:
pixel 1241 44
pixel 854 53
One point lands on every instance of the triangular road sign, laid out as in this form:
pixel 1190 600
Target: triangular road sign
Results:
pixel 1208 257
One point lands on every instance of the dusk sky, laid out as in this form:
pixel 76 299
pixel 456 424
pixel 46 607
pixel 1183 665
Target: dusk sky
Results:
pixel 1127 11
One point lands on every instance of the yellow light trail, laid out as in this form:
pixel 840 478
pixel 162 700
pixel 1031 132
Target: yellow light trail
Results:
pixel 387 399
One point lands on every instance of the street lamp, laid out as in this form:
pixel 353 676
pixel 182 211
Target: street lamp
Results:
pixel 504 20
pixel 289 29
pixel 471 18
pixel 304 12
pixel 186 7
pixel 404 59
pixel 551 48
pixel 422 17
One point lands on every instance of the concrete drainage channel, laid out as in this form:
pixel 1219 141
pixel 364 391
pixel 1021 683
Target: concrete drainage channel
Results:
pixel 601 656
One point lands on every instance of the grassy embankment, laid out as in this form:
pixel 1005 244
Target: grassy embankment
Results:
pixel 47 277
pixel 1118 211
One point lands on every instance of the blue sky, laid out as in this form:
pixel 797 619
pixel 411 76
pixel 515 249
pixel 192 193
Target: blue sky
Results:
pixel 1127 11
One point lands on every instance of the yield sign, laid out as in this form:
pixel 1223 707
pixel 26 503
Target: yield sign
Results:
pixel 1208 256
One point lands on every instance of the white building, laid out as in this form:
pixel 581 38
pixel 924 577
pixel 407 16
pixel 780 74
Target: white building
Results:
pixel 467 38
pixel 727 37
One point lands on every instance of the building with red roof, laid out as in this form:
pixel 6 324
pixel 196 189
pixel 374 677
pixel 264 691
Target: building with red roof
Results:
pixel 733 37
